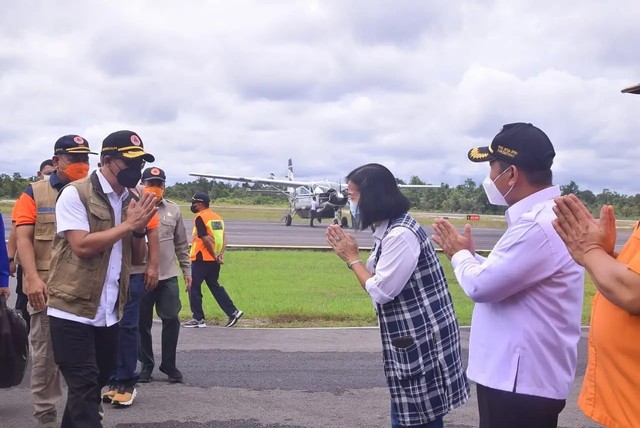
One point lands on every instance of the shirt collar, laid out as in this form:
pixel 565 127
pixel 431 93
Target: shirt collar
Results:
pixel 380 230
pixel 516 210
pixel 106 186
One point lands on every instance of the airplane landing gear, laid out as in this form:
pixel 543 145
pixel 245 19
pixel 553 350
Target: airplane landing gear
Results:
pixel 344 223
pixel 287 220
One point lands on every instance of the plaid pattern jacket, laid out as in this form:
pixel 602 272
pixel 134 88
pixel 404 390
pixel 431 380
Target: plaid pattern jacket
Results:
pixel 421 340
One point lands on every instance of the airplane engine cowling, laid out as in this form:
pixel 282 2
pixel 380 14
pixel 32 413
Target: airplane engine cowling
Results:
pixel 336 198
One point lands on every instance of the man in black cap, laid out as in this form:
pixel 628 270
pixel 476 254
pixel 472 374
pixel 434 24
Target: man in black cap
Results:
pixel 44 173
pixel 208 243
pixel 528 291
pixel 100 232
pixel 174 251
pixel 34 215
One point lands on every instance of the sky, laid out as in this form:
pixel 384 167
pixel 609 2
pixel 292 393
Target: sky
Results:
pixel 238 87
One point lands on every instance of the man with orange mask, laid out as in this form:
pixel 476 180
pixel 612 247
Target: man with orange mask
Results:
pixel 35 229
pixel 174 247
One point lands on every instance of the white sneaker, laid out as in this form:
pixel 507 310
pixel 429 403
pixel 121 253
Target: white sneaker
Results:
pixel 194 323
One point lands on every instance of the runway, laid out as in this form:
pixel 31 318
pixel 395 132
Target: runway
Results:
pixel 246 233
pixel 262 233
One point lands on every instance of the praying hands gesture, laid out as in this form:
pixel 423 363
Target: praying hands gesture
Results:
pixel 582 233
pixel 448 238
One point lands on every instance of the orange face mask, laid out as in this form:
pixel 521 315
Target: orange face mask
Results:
pixel 76 170
pixel 158 191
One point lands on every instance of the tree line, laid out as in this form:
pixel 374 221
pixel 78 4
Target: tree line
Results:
pixel 468 197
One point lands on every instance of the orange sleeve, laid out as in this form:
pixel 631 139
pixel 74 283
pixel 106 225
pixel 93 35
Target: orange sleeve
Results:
pixel 154 223
pixel 24 211
pixel 630 253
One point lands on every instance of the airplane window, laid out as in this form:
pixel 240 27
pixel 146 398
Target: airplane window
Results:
pixel 302 191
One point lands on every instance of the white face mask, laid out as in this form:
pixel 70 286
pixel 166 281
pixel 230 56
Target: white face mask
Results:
pixel 492 192
pixel 46 177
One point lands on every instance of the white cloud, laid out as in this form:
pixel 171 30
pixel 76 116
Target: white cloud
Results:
pixel 239 87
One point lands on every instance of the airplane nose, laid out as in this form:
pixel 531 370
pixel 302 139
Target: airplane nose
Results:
pixel 337 199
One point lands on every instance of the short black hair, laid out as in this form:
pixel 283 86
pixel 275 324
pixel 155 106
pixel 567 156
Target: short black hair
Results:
pixel 538 178
pixel 46 162
pixel 380 197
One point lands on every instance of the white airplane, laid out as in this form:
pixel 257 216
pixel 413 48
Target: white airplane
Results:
pixel 331 196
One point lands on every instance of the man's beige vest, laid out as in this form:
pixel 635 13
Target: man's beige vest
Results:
pixel 44 196
pixel 75 284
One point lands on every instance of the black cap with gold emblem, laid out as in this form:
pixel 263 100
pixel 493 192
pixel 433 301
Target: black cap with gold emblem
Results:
pixel 519 144
pixel 72 144
pixel 125 144
pixel 153 173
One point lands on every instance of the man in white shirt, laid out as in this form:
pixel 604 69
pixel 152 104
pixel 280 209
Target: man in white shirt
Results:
pixel 528 291
pixel 100 233
pixel 313 212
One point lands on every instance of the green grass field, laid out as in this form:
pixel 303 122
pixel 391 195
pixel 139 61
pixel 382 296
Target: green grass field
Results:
pixel 308 288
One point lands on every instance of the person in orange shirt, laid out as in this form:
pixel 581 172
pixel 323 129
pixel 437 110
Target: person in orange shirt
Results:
pixel 43 174
pixel 34 215
pixel 611 386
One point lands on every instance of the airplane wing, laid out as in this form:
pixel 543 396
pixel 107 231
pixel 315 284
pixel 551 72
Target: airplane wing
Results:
pixel 418 186
pixel 258 180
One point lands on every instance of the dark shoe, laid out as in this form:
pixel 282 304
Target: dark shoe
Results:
pixel 174 376
pixel 145 376
pixel 233 319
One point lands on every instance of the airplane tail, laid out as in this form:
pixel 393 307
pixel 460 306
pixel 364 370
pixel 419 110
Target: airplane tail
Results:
pixel 290 170
pixel 290 177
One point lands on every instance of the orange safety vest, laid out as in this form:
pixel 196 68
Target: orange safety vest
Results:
pixel 215 228
pixel 611 388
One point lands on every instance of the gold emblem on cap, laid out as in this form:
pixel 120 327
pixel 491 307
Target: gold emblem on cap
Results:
pixel 475 153
pixel 505 151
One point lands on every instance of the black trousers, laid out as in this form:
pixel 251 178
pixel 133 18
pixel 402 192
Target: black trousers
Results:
pixel 86 356
pixel 208 272
pixel 312 215
pixel 166 298
pixel 503 409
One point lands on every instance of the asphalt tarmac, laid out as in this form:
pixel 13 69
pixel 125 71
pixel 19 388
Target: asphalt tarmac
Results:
pixel 256 233
pixel 264 234
pixel 276 378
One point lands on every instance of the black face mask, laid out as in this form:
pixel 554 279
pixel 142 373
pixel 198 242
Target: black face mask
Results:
pixel 194 209
pixel 129 177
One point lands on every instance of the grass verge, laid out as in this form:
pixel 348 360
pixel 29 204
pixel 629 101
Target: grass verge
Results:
pixel 308 289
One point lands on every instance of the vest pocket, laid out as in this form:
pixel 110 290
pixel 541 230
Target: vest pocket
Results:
pixel 79 284
pixel 44 231
pixel 407 357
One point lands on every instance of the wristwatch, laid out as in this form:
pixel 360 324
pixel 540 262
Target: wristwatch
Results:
pixel 139 234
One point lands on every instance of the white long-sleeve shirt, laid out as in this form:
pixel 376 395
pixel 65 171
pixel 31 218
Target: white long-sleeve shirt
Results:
pixel 528 293
pixel 398 261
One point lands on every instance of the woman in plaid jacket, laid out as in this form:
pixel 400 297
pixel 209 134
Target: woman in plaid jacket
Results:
pixel 403 276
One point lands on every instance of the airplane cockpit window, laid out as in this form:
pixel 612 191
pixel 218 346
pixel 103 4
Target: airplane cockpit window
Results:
pixel 303 191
